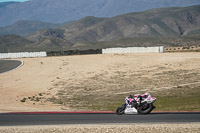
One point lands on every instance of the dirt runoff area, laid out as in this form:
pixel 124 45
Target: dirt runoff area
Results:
pixel 108 128
pixel 90 82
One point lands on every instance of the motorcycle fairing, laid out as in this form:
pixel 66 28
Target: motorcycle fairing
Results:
pixel 130 110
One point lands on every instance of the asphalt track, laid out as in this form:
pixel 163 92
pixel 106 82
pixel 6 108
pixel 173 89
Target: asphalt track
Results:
pixel 7 65
pixel 17 119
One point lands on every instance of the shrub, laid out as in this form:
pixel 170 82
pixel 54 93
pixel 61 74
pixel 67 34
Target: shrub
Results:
pixel 37 99
pixel 23 100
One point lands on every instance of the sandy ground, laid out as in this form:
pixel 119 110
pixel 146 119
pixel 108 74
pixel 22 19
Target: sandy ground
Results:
pixel 107 128
pixel 42 78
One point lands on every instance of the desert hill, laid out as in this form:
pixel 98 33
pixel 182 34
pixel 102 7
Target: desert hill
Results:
pixel 177 26
pixel 59 11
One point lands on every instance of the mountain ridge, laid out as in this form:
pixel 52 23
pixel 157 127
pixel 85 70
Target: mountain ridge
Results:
pixel 60 11
pixel 4 4
pixel 177 26
pixel 155 22
pixel 25 27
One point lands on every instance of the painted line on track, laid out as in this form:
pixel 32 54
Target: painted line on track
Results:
pixel 65 112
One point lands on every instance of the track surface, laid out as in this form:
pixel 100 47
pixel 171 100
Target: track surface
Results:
pixel 98 118
pixel 7 65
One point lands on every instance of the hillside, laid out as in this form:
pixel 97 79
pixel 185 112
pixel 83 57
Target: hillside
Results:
pixel 15 43
pixel 5 4
pixel 59 11
pixel 68 30
pixel 156 22
pixel 164 26
pixel 163 22
pixel 11 43
pixel 24 27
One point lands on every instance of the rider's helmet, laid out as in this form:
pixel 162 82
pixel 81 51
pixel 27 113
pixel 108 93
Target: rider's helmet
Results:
pixel 131 96
pixel 146 94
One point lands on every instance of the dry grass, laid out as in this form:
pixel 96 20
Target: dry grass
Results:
pixel 106 90
pixel 100 82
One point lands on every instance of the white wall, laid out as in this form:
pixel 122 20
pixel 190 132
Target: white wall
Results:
pixel 159 49
pixel 22 55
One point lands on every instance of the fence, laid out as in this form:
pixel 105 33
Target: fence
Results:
pixel 22 55
pixel 159 49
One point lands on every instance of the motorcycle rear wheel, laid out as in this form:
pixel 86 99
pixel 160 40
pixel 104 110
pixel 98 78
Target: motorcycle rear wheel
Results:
pixel 147 110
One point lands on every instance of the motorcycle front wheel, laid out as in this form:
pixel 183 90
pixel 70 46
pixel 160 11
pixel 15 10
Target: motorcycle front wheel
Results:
pixel 120 110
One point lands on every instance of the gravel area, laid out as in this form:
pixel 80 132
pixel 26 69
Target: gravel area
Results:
pixel 106 128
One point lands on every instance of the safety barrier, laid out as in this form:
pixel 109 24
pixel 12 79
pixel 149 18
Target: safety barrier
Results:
pixel 22 55
pixel 74 52
pixel 159 49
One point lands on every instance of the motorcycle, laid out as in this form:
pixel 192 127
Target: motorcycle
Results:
pixel 137 104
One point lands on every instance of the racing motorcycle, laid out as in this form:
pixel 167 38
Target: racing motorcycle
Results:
pixel 137 104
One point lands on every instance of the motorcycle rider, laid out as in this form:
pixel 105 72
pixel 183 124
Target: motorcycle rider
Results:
pixel 131 101
pixel 134 103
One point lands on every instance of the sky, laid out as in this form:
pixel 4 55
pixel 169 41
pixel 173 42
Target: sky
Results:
pixel 13 0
